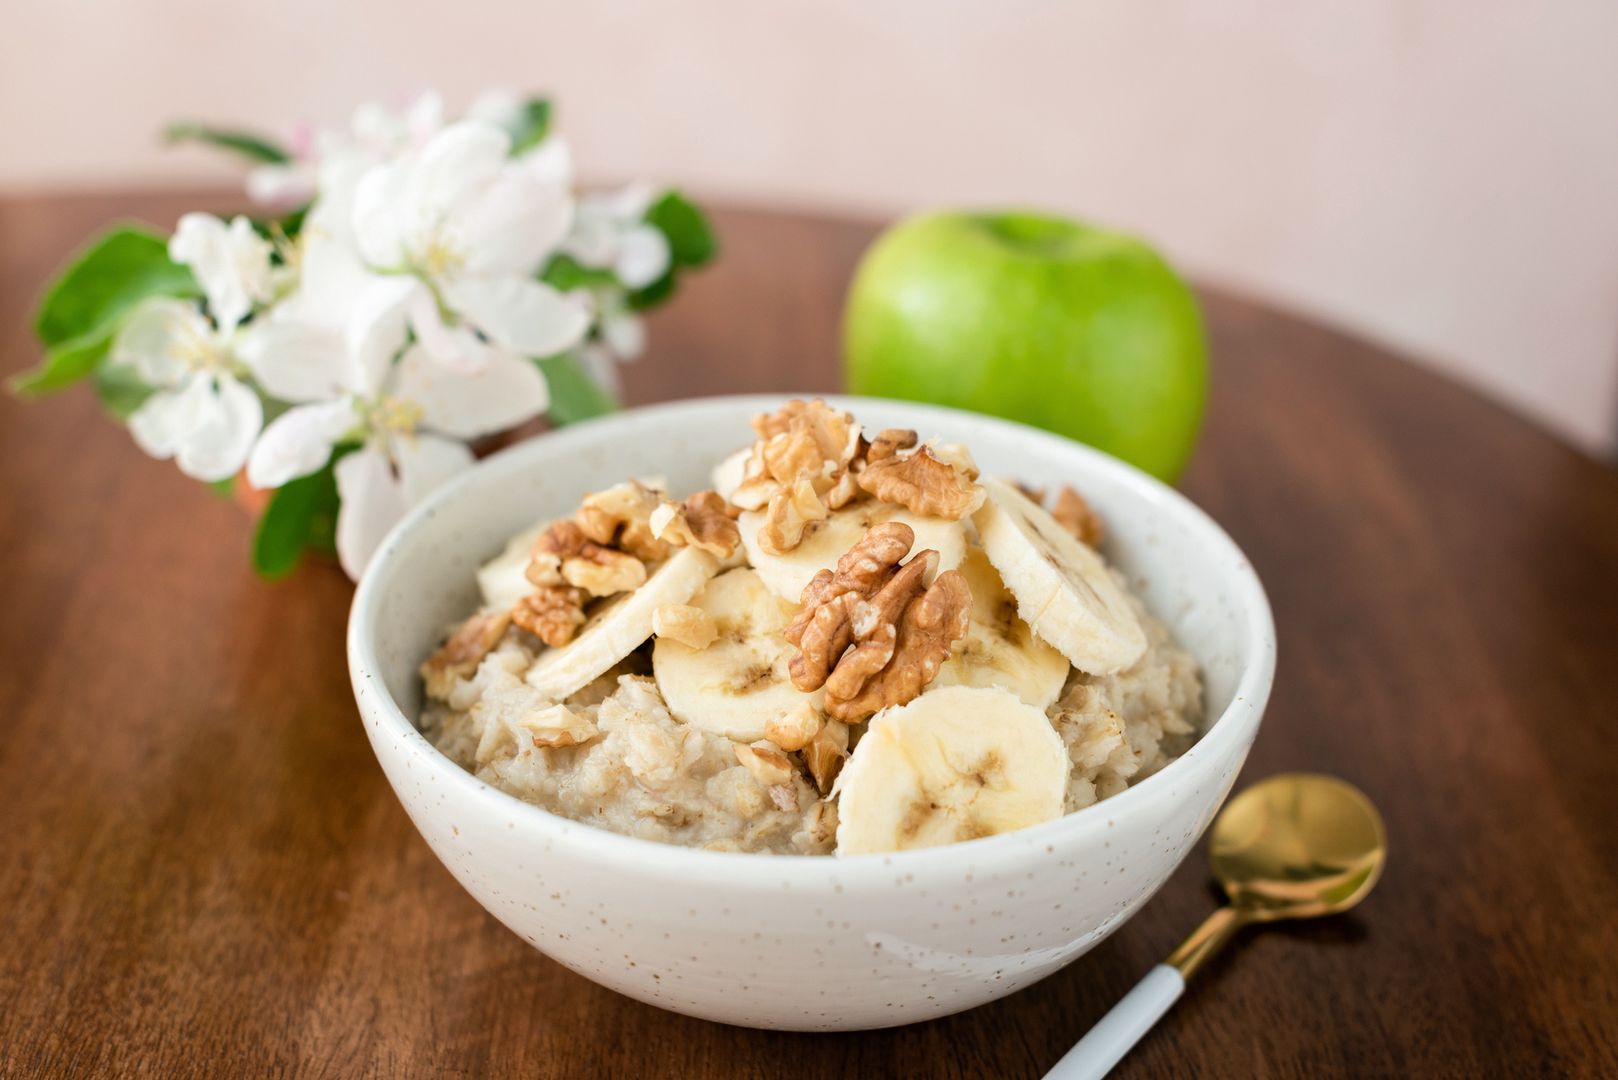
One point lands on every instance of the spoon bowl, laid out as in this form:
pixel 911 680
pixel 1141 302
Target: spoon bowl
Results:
pixel 1297 846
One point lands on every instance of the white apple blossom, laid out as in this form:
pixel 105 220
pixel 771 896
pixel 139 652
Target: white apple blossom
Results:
pixel 472 227
pixel 409 418
pixel 200 413
pixel 329 161
pixel 610 233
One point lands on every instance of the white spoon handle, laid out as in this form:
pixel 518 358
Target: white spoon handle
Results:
pixel 1094 1055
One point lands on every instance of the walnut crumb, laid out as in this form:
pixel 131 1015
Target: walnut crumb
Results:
pixel 555 726
pixel 826 753
pixel 794 728
pixel 769 766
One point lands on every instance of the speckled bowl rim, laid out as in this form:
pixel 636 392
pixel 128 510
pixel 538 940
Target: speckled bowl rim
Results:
pixel 1239 720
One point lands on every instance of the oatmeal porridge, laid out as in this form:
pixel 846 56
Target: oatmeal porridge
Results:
pixel 852 643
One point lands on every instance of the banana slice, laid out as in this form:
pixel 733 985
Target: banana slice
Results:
pixel 826 541
pixel 954 764
pixel 1063 588
pixel 999 649
pixel 502 579
pixel 618 627
pixel 738 684
pixel 727 475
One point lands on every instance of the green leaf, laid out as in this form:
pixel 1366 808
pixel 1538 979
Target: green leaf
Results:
pixel 255 148
pixel 66 364
pixel 692 243
pixel 225 488
pixel 301 512
pixel 574 395
pixel 126 266
pixel 121 390
pixel 531 125
pixel 691 238
pixel 564 272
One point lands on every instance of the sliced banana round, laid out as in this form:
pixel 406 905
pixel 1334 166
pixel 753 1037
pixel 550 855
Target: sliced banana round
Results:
pixel 999 649
pixel 739 683
pixel 954 764
pixel 826 541
pixel 503 579
pixel 618 626
pixel 1063 587
pixel 727 475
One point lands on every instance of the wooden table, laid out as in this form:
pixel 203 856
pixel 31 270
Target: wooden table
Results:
pixel 205 874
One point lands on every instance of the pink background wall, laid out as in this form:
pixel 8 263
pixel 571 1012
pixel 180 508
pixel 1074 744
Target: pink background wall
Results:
pixel 1440 174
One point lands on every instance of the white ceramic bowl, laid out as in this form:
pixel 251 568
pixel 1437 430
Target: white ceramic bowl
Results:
pixel 805 943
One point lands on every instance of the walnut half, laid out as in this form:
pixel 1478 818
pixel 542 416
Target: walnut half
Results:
pixel 552 613
pixel 874 632
pixel 464 651
pixel 915 477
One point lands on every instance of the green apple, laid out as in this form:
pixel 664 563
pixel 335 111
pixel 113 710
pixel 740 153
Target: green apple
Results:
pixel 1073 328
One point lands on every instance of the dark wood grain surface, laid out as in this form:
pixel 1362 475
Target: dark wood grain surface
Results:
pixel 205 874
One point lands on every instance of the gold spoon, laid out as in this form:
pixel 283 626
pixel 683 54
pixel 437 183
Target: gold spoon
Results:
pixel 1295 846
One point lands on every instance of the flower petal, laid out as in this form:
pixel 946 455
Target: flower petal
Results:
pixel 373 501
pixel 208 426
pixel 153 336
pixel 218 448
pixel 231 263
pixel 515 224
pixel 381 216
pixel 624 333
pixel 455 347
pixel 525 316
pixel 294 360
pixel 505 393
pixel 426 461
pixel 456 165
pixel 643 256
pixel 299 441
pixel 551 161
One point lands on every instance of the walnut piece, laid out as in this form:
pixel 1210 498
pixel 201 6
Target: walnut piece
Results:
pixel 1077 516
pixel 898 471
pixel 555 726
pixel 875 632
pixel 769 766
pixel 560 540
pixel 620 517
pixel 826 753
pixel 799 470
pixel 823 627
pixel 790 512
pixel 551 613
pixel 460 656
pixel 794 728
pixel 601 571
pixel 563 554
pixel 690 626
pixel 705 520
